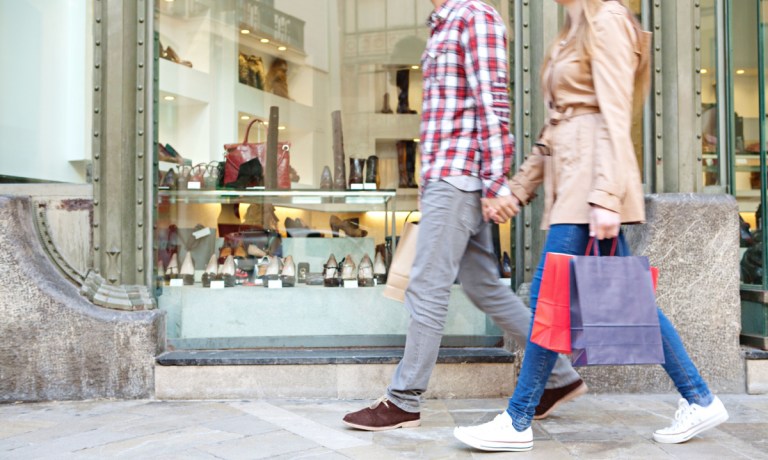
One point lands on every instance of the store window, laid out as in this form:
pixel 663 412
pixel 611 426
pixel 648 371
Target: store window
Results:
pixel 287 146
pixel 45 89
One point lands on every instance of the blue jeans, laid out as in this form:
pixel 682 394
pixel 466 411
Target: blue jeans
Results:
pixel 538 361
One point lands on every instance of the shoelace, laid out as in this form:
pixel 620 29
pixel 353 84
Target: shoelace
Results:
pixel 684 412
pixel 382 400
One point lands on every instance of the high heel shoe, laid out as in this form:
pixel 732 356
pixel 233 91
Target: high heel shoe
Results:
pixel 172 271
pixel 288 273
pixel 272 272
pixel 379 269
pixel 331 272
pixel 348 268
pixel 188 270
pixel 365 272
pixel 211 271
pixel 350 227
pixel 228 272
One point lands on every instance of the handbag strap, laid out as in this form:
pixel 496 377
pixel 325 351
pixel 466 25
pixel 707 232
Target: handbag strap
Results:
pixel 248 129
pixel 591 244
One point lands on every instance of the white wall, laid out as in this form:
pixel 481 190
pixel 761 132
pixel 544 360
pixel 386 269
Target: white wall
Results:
pixel 44 88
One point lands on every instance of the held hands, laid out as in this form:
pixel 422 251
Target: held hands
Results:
pixel 500 209
pixel 603 223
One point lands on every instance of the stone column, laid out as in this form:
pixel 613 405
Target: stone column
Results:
pixel 122 140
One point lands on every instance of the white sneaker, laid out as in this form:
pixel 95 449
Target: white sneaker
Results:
pixel 496 435
pixel 690 420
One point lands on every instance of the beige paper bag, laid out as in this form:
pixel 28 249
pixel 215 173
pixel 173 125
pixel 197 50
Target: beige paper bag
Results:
pixel 400 268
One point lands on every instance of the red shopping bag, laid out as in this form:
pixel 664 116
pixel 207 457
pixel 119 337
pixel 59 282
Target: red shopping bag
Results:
pixel 552 321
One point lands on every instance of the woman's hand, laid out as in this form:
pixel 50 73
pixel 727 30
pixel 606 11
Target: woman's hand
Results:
pixel 603 223
pixel 500 209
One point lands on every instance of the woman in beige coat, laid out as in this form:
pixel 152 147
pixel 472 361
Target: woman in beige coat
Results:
pixel 591 77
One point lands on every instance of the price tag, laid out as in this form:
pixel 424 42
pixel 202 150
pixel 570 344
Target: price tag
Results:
pixel 193 185
pixel 355 186
pixel 202 233
pixel 369 186
pixel 217 284
pixel 350 284
pixel 177 282
pixel 275 284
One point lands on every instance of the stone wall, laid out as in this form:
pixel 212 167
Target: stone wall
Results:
pixel 694 241
pixel 55 344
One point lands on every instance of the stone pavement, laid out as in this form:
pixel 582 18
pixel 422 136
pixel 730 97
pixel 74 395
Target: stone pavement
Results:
pixel 601 426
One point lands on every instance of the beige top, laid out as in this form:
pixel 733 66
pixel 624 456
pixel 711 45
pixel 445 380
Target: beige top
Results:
pixel 586 154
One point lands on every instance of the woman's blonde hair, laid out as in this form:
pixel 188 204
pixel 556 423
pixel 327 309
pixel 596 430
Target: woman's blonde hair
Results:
pixel 584 42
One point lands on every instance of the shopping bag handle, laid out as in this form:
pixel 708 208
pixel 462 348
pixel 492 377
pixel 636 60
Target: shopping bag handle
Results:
pixel 591 244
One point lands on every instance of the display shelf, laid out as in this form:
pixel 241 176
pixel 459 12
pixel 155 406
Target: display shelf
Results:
pixel 182 81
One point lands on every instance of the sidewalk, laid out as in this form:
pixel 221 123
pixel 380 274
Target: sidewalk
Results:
pixel 601 426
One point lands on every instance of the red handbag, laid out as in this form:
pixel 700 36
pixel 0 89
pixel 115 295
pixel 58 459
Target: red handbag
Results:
pixel 237 154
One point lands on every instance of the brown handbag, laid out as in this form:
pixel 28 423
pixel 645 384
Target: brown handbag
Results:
pixel 237 154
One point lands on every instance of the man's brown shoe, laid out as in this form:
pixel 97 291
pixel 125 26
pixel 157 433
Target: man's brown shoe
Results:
pixel 382 415
pixel 551 398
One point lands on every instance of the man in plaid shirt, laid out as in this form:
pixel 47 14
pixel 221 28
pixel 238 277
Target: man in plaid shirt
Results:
pixel 466 154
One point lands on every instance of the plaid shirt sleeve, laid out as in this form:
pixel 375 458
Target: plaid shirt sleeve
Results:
pixel 485 63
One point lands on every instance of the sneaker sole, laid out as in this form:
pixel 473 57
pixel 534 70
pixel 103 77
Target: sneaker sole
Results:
pixel 678 438
pixel 408 424
pixel 580 390
pixel 491 446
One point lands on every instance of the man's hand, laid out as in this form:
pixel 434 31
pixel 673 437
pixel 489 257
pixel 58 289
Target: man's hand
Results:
pixel 603 223
pixel 500 209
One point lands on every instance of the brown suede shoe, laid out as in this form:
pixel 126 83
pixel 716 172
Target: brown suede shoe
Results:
pixel 382 415
pixel 551 398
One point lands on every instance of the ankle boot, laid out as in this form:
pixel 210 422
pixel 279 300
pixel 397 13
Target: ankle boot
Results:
pixel 402 165
pixel 386 108
pixel 326 180
pixel 356 171
pixel 365 272
pixel 410 163
pixel 403 78
pixel 372 171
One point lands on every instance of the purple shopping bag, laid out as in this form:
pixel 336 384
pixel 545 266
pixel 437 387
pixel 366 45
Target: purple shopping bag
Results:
pixel 614 318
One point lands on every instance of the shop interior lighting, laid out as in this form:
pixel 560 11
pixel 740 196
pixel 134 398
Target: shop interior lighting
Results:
pixel 415 67
pixel 740 72
pixel 264 40
pixel 281 48
pixel 245 31
pixel 169 98
pixel 703 71
pixel 245 117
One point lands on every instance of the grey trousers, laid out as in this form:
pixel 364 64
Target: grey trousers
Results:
pixel 454 240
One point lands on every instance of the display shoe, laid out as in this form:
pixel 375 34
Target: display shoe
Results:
pixel 385 106
pixel 224 252
pixel 211 271
pixel 256 73
pixel 244 270
pixel 356 171
pixel 273 270
pixel 188 270
pixel 175 154
pixel 326 179
pixel 242 68
pixel 403 78
pixel 168 180
pixel 372 171
pixel 303 272
pixel 170 54
pixel 228 271
pixel 255 251
pixel 331 272
pixel 261 267
pixel 351 227
pixel 288 273
pixel 172 271
pixel 240 251
pixel 335 224
pixel 379 269
pixel 365 272
pixel 348 268
pixel 164 155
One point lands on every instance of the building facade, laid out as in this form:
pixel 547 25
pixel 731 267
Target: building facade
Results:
pixel 248 165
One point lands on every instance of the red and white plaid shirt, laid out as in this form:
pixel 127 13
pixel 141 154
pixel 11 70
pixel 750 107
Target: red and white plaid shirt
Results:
pixel 465 113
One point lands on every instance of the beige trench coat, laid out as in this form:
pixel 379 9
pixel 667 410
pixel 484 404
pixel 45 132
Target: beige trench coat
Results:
pixel 590 158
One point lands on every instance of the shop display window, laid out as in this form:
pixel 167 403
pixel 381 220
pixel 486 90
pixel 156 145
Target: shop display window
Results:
pixel 287 147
